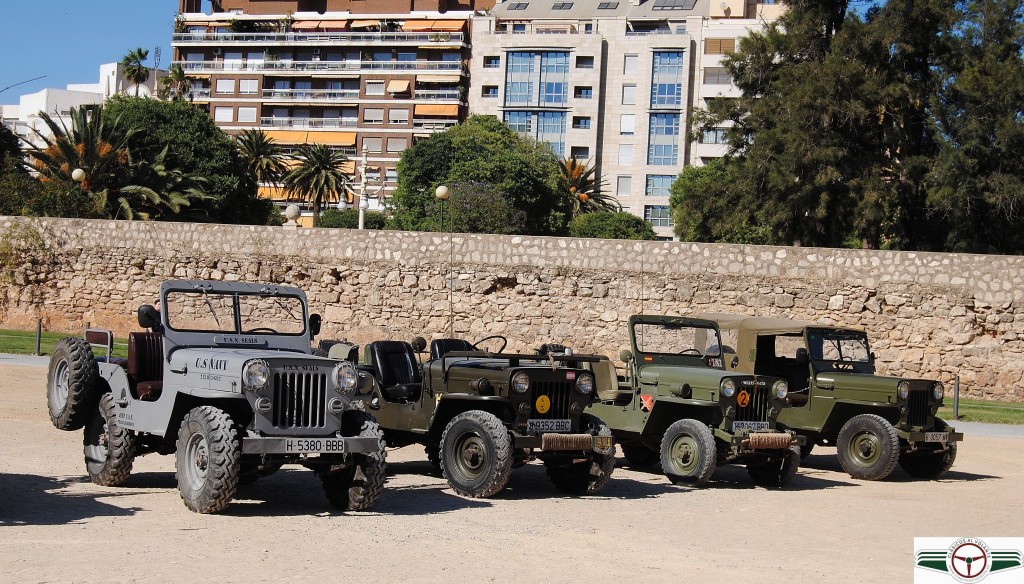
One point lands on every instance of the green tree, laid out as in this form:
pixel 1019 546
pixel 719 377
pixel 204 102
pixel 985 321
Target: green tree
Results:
pixel 158 190
pixel 705 203
pixel 176 85
pixel 611 225
pixel 475 207
pixel 135 70
pixel 485 151
pixel 10 145
pixel 262 156
pixel 199 148
pixel 319 177
pixel 349 219
pixel 585 187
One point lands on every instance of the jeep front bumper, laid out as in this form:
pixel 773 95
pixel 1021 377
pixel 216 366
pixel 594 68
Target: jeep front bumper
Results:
pixel 761 440
pixel 301 445
pixel 602 444
pixel 944 437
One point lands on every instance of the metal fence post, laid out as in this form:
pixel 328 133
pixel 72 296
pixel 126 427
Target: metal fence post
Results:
pixel 39 335
pixel 956 398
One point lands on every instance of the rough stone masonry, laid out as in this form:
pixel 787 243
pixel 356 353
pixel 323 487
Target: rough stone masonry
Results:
pixel 928 314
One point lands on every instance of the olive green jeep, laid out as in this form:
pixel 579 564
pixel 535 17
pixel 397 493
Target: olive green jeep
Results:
pixel 481 413
pixel 678 405
pixel 873 421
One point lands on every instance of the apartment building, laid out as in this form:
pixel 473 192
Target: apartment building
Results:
pixel 367 77
pixel 612 82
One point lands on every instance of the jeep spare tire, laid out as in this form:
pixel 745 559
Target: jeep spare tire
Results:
pixel 71 384
pixel 476 454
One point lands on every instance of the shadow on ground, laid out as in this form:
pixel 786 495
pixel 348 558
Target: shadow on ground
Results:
pixel 39 500
pixel 830 462
pixel 734 476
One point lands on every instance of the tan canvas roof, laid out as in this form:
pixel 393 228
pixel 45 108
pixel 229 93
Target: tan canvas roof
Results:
pixel 745 322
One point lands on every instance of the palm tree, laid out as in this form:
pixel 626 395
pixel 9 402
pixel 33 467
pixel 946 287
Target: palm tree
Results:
pixel 160 190
pixel 134 70
pixel 177 85
pixel 262 155
pixel 585 187
pixel 318 177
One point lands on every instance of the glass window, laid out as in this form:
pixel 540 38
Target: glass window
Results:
pixel 713 136
pixel 492 62
pixel 519 121
pixel 398 116
pixel 397 144
pixel 657 215
pixel 717 76
pixel 518 92
pixel 225 86
pixel 627 122
pixel 583 93
pixel 373 116
pixel 581 122
pixel 561 6
pixel 667 78
pixel 630 64
pixel 375 88
pixel 373 144
pixel 520 62
pixel 391 174
pixel 583 62
pixel 629 95
pixel 663 139
pixel 223 114
pixel 246 114
pixel 248 86
pixel 554 92
pixel 551 130
pixel 579 152
pixel 625 154
pixel 623 185
pixel 658 185
pixel 489 91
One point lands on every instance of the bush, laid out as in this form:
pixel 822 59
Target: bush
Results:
pixel 611 225
pixel 349 219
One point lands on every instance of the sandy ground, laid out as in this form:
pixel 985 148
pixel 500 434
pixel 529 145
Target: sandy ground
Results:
pixel 55 526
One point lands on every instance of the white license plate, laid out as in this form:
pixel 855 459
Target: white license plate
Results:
pixel 936 436
pixel 548 426
pixel 308 445
pixel 750 426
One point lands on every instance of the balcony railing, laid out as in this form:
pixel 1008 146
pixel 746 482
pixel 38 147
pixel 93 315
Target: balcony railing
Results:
pixel 433 124
pixel 437 94
pixel 314 66
pixel 318 38
pixel 311 94
pixel 275 122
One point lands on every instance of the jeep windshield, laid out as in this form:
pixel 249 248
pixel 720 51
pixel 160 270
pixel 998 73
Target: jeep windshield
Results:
pixel 679 344
pixel 235 313
pixel 839 350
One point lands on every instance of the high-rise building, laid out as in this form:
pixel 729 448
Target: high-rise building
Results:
pixel 363 76
pixel 613 83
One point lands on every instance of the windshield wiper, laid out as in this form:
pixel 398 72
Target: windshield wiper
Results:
pixel 210 305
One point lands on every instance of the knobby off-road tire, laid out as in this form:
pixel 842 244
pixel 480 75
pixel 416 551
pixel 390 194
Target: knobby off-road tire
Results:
pixel 806 449
pixel 357 487
pixel 71 394
pixel 868 447
pixel 109 449
pixel 476 454
pixel 207 462
pixel 588 474
pixel 250 469
pixel 688 453
pixel 777 472
pixel 639 454
pixel 433 450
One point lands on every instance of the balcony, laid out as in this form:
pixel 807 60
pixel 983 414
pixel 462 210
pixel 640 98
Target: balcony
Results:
pixel 438 95
pixel 433 124
pixel 319 66
pixel 274 122
pixel 320 38
pixel 319 95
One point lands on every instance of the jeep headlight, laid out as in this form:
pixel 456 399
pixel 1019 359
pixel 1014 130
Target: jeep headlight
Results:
pixel 938 390
pixel 780 389
pixel 903 389
pixel 585 383
pixel 728 388
pixel 346 376
pixel 256 374
pixel 521 382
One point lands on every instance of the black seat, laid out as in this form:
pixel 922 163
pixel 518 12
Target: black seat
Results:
pixel 438 347
pixel 396 369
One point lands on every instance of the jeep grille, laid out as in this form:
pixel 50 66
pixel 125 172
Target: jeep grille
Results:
pixel 917 407
pixel 757 408
pixel 300 400
pixel 560 394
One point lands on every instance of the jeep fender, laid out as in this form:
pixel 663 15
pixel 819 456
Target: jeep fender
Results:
pixel 453 404
pixel 114 376
pixel 668 410
pixel 842 411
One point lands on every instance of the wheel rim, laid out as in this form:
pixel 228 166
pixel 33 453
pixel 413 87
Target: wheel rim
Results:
pixel 684 455
pixel 864 448
pixel 197 461
pixel 59 388
pixel 470 455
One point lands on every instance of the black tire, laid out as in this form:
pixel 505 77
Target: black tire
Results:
pixel 806 449
pixel 924 463
pixel 71 394
pixel 639 454
pixel 586 476
pixel 207 461
pixel 476 454
pixel 433 450
pixel 358 486
pixel 868 447
pixel 688 453
pixel 776 472
pixel 109 449
pixel 251 469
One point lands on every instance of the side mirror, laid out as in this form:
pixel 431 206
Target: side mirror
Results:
pixel 735 361
pixel 871 356
pixel 149 317
pixel 419 344
pixel 625 355
pixel 314 325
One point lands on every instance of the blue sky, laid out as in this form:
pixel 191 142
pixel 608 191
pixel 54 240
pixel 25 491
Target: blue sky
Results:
pixel 68 40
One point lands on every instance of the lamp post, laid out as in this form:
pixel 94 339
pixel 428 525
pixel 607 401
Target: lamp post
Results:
pixel 442 195
pixel 363 204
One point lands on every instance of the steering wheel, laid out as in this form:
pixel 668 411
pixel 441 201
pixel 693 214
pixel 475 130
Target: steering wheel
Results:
pixel 689 352
pixel 504 342
pixel 262 329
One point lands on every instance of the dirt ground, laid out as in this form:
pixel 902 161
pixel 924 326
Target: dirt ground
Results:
pixel 55 526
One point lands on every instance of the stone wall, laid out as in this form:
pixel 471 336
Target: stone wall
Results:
pixel 929 315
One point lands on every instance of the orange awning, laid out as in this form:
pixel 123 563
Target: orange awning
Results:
pixel 305 24
pixel 363 23
pixel 288 136
pixel 449 25
pixel 417 25
pixel 434 109
pixel 433 25
pixel 438 78
pixel 398 85
pixel 332 138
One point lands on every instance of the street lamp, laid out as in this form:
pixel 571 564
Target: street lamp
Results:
pixel 442 195
pixel 78 175
pixel 362 203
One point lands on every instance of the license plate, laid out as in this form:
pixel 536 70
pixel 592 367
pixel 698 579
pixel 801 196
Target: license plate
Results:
pixel 750 426
pixel 936 436
pixel 310 445
pixel 541 426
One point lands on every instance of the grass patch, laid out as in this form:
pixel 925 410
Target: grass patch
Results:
pixel 991 412
pixel 24 343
